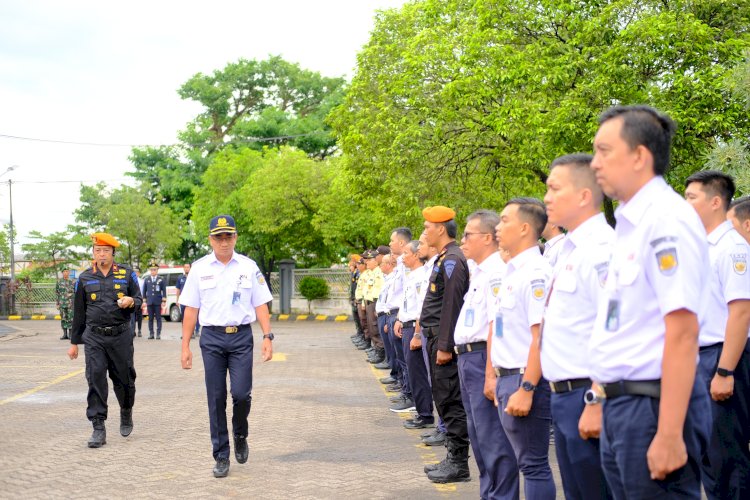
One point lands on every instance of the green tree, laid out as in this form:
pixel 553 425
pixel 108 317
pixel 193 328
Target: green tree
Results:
pixel 273 196
pixel 52 252
pixel 454 96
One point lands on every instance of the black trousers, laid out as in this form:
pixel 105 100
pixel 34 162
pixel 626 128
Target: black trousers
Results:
pixel 136 319
pixel 113 355
pixel 446 392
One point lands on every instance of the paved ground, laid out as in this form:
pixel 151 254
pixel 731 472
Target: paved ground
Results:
pixel 319 427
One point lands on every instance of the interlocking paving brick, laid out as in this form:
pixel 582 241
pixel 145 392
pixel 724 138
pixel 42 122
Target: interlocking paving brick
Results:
pixel 319 425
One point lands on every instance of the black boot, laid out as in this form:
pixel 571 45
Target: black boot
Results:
pixel 99 436
pixel 455 469
pixel 378 357
pixel 65 334
pixel 126 421
pixel 431 467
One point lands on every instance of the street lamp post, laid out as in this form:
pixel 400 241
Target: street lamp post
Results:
pixel 12 237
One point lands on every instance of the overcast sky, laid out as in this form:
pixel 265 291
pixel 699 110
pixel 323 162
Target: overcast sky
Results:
pixel 108 73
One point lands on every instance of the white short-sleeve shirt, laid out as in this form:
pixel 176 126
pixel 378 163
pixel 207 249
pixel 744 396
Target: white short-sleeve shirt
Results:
pixel 728 253
pixel 381 305
pixel 577 281
pixel 552 248
pixel 227 295
pixel 479 302
pixel 411 307
pixel 659 265
pixel 519 306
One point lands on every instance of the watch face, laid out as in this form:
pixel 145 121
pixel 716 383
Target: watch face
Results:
pixel 528 386
pixel 269 336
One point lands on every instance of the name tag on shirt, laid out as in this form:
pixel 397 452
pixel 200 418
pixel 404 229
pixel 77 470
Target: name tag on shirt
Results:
pixel 469 318
pixel 498 325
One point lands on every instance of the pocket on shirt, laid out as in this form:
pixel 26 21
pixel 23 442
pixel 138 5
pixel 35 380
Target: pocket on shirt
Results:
pixel 629 273
pixel 93 292
pixel 566 282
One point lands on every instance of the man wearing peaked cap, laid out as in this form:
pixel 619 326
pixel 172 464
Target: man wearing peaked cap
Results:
pixel 106 294
pixel 447 286
pixel 155 295
pixel 227 292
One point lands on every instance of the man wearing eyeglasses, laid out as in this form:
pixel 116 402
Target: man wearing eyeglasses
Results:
pixel 231 293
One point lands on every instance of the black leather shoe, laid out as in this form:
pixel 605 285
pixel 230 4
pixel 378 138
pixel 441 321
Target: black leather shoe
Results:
pixel 419 422
pixel 126 422
pixel 437 439
pixel 240 449
pixel 221 469
pixel 150 337
pixel 99 436
pixel 387 380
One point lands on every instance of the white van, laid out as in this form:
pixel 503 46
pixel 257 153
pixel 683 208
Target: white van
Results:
pixel 170 309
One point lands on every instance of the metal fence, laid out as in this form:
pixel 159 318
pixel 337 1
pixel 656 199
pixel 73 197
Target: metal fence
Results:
pixel 35 298
pixel 337 279
pixel 39 298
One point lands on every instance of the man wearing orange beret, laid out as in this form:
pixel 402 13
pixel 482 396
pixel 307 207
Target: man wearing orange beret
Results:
pixel 106 295
pixel 447 286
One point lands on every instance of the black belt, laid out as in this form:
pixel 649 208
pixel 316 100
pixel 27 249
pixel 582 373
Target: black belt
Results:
pixel 506 372
pixel 707 347
pixel 430 331
pixel 650 388
pixel 409 324
pixel 380 314
pixel 569 385
pixel 473 346
pixel 110 331
pixel 388 313
pixel 229 330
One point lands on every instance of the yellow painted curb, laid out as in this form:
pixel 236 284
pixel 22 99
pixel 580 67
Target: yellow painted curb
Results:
pixel 283 316
pixel 38 316
pixel 302 317
pixel 321 317
pixel 343 317
pixel 14 317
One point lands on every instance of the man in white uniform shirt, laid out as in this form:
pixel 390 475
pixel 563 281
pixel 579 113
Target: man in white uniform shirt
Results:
pixel 644 346
pixel 724 348
pixel 498 469
pixel 230 292
pixel 553 238
pixel 573 201
pixel 406 328
pixel 522 395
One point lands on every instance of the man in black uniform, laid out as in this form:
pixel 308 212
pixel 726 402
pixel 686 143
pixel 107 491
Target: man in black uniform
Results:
pixel 448 283
pixel 106 295
pixel 155 294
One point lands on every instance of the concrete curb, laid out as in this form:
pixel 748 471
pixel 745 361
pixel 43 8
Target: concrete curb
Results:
pixel 276 317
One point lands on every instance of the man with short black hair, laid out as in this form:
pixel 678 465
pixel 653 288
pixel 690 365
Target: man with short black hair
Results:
pixel 645 337
pixel 724 354
pixel 573 201
pixel 739 216
pixel 522 394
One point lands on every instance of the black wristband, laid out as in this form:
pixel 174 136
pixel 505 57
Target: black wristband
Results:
pixel 722 372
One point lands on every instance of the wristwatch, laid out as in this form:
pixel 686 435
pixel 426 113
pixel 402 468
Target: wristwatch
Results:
pixel 723 372
pixel 268 336
pixel 591 397
pixel 528 386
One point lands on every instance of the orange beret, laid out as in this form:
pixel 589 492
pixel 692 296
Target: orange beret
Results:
pixel 105 239
pixel 438 214
pixel 355 257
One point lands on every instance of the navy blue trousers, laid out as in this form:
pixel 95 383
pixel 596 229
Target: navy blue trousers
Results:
pixel 498 469
pixel 390 356
pixel 154 311
pixel 725 470
pixel 529 436
pixel 578 458
pixel 232 352
pixel 628 427
pixel 113 355
pixel 400 357
pixel 419 379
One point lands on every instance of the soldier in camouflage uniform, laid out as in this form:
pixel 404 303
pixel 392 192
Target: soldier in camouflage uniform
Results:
pixel 65 291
